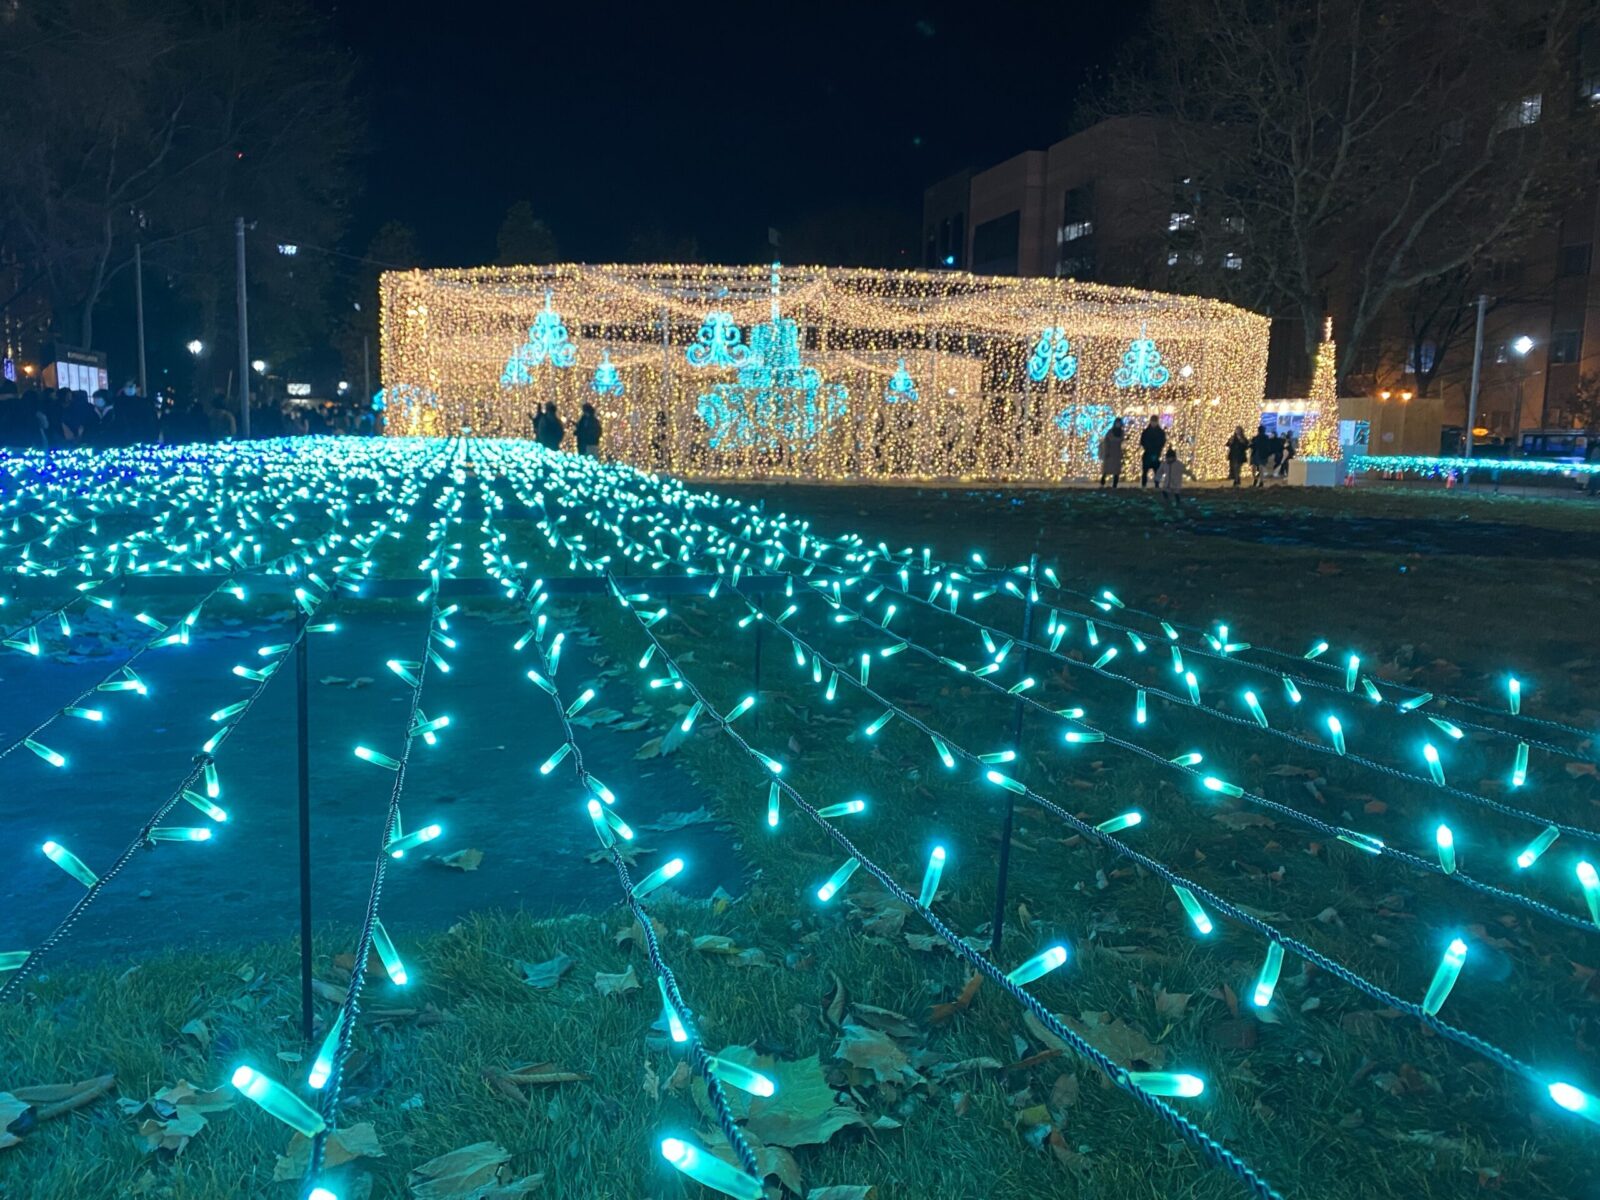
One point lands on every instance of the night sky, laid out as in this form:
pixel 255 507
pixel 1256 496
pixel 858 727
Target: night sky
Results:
pixel 708 120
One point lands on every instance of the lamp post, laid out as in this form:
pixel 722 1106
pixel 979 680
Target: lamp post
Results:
pixel 1520 346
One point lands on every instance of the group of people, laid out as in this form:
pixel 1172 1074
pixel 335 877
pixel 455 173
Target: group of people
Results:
pixel 1157 460
pixel 54 418
pixel 549 431
pixel 1267 453
pixel 62 418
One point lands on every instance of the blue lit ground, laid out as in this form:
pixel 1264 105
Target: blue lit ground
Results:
pixel 241 888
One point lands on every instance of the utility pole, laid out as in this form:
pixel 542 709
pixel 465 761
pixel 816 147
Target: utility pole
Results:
pixel 1477 371
pixel 244 331
pixel 138 313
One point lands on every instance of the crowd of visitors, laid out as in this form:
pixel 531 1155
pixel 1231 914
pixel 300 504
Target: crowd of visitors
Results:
pixel 61 418
pixel 1267 453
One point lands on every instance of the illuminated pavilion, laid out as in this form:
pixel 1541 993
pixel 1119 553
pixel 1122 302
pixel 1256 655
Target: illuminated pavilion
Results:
pixel 824 373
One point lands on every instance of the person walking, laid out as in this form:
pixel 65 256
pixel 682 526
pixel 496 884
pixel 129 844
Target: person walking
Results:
pixel 1111 454
pixel 1238 448
pixel 1169 480
pixel 1291 447
pixel 1152 441
pixel 1260 451
pixel 548 429
pixel 587 432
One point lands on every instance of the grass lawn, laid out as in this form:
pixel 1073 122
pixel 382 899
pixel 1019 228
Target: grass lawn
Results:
pixel 893 1075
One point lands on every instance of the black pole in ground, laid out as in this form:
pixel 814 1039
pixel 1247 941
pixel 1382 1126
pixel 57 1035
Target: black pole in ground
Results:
pixel 999 921
pixel 303 737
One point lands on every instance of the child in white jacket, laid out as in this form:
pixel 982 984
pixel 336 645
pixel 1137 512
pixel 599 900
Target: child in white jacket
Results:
pixel 1169 479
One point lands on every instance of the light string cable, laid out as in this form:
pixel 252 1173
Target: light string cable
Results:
pixel 1006 578
pixel 350 1009
pixel 122 676
pixel 202 767
pixel 1361 841
pixel 1303 663
pixel 1028 645
pixel 1213 901
pixel 1255 725
pixel 700 1059
pixel 1053 652
pixel 1210 1149
pixel 1007 581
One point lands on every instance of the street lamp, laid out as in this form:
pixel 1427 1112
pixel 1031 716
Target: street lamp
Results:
pixel 195 347
pixel 259 366
pixel 1521 345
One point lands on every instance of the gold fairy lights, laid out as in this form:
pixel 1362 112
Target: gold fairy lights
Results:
pixel 965 342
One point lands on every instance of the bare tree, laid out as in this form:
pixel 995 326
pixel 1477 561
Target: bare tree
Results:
pixel 158 122
pixel 1354 151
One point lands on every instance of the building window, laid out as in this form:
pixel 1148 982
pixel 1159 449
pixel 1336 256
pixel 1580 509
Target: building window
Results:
pixel 1421 358
pixel 1172 258
pixel 1074 230
pixel 1232 262
pixel 995 245
pixel 1080 266
pixel 1233 224
pixel 1180 220
pixel 1566 346
pixel 1523 112
pixel 1574 260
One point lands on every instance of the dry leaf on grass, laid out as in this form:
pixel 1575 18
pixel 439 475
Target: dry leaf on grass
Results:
pixel 1110 1035
pixel 845 1192
pixel 463 860
pixel 805 1111
pixel 50 1100
pixel 170 1135
pixel 13 1112
pixel 714 943
pixel 940 1013
pixel 545 974
pixel 1170 1006
pixel 876 1052
pixel 616 985
pixel 343 1145
pixel 542 1074
pixel 475 1172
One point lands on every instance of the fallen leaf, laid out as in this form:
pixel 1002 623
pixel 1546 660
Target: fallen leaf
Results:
pixel 1579 769
pixel 198 1031
pixel 546 974
pixel 833 1010
pixel 1064 1093
pixel 714 943
pixel 343 1145
pixel 804 1111
pixel 667 822
pixel 876 1052
pixel 53 1099
pixel 1243 819
pixel 940 1013
pixel 1110 1035
pixel 1170 1006
pixel 463 860
pixel 542 1074
pixel 475 1172
pixel 887 1020
pixel 616 985
pixel 170 1135
pixel 843 1192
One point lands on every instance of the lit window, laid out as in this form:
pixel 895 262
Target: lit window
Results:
pixel 1232 261
pixel 1523 112
pixel 1074 230
pixel 1180 220
pixel 1172 258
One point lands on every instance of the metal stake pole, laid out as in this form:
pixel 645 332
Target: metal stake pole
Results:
pixel 999 921
pixel 302 736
